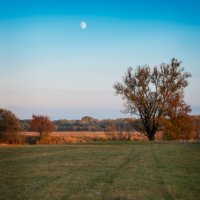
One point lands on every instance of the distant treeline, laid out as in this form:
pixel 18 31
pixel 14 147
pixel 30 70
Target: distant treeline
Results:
pixel 91 124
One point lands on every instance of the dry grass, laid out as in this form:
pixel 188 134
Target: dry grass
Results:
pixel 62 137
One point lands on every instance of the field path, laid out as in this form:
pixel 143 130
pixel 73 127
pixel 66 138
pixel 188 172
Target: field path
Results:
pixel 160 178
pixel 130 157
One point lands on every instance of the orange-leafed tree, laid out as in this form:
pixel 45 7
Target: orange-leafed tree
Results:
pixel 178 124
pixel 178 128
pixel 196 125
pixel 154 94
pixel 41 124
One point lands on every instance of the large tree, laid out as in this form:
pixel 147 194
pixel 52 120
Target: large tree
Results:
pixel 9 127
pixel 154 94
pixel 41 124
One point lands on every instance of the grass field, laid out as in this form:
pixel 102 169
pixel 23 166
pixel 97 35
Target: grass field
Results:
pixel 101 170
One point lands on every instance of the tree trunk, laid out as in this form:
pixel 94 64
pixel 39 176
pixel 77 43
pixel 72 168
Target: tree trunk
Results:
pixel 150 128
pixel 151 136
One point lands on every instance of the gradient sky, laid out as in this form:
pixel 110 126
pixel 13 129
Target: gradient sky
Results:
pixel 50 66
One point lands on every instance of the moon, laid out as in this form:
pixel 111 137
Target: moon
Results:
pixel 83 25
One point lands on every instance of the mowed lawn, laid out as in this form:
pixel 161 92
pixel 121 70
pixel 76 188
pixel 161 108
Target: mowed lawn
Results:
pixel 101 170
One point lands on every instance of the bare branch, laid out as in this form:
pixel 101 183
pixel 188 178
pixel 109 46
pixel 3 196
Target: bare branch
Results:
pixel 153 94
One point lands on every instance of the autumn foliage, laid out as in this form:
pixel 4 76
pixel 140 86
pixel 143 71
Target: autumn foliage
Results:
pixel 178 128
pixel 9 128
pixel 41 124
pixel 155 94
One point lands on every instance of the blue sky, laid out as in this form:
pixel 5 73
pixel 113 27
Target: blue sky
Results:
pixel 50 66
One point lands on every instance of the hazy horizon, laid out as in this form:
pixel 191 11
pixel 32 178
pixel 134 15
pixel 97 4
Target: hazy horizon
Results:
pixel 50 66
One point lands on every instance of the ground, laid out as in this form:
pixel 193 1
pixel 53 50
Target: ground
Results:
pixel 101 170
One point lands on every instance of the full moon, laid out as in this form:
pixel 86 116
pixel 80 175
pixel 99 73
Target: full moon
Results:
pixel 83 25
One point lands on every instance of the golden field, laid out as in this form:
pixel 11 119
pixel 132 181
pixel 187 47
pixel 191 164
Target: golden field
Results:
pixel 61 137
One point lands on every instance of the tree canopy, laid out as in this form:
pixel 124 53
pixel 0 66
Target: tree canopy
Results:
pixel 154 94
pixel 41 124
pixel 9 127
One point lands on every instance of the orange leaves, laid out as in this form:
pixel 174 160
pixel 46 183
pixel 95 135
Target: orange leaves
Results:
pixel 156 93
pixel 41 124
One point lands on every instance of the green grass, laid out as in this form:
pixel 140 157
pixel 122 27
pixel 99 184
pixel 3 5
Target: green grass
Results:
pixel 101 171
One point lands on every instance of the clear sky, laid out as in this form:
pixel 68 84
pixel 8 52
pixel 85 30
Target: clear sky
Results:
pixel 50 66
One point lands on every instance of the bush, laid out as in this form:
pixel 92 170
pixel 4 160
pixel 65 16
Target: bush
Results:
pixel 119 135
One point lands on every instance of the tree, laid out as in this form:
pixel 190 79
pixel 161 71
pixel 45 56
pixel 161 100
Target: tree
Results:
pixel 196 124
pixel 9 127
pixel 178 128
pixel 154 94
pixel 41 124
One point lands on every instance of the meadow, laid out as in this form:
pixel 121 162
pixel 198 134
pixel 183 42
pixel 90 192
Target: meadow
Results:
pixel 103 170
